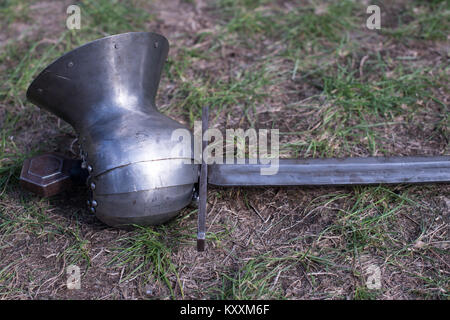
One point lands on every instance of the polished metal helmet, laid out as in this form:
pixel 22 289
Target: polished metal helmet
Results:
pixel 106 90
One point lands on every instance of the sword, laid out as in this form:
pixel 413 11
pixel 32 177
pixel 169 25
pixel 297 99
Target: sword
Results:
pixel 314 172
pixel 53 173
pixel 106 90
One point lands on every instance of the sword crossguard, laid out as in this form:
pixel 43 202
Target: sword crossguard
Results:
pixel 203 188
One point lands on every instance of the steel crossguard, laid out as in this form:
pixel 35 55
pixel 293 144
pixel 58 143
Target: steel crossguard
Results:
pixel 106 90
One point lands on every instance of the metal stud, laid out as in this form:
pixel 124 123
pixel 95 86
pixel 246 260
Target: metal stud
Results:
pixel 89 169
pixel 94 203
pixel 92 186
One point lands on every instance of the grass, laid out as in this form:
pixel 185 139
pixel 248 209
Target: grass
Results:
pixel 426 20
pixel 113 17
pixel 242 90
pixel 259 276
pixel 146 255
pixel 294 27
pixel 367 225
pixel 359 107
pixel 254 280
pixel 332 87
pixel 14 11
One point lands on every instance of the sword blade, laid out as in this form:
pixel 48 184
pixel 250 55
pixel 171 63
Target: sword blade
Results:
pixel 331 171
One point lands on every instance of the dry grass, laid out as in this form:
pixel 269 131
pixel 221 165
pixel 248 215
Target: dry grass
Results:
pixel 311 69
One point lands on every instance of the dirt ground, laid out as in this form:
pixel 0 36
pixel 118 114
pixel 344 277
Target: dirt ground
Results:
pixel 312 69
